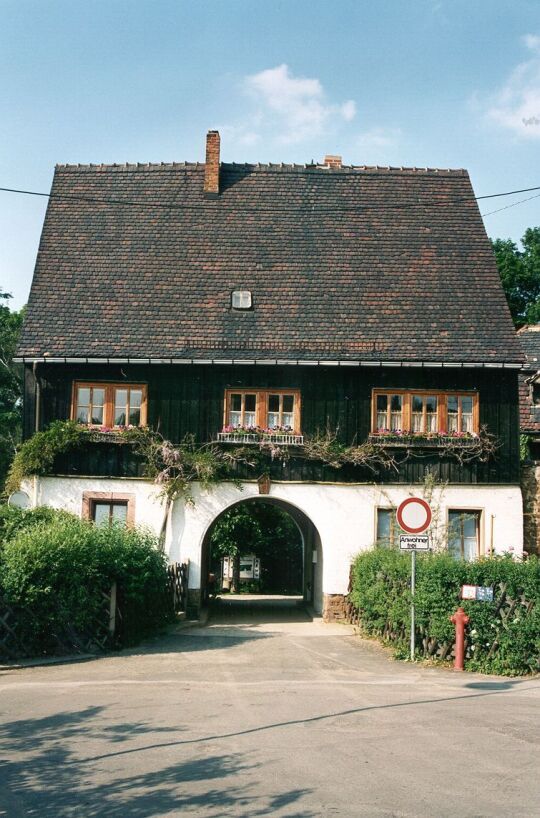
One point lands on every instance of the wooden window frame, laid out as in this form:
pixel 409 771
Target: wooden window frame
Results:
pixel 479 512
pixel 389 394
pixel 439 412
pixel 442 410
pixel 109 401
pixel 261 405
pixel 91 498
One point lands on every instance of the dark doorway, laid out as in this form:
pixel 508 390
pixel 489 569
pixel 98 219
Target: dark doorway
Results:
pixel 256 547
pixel 261 548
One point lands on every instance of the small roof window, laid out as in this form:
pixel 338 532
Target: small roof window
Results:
pixel 241 300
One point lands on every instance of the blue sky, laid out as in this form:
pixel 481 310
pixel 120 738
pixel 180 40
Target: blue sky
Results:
pixel 428 82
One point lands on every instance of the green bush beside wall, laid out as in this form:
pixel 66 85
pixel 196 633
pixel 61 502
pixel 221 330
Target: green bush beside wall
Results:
pixel 56 571
pixel 502 637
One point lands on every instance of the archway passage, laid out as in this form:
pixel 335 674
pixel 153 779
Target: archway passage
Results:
pixel 261 554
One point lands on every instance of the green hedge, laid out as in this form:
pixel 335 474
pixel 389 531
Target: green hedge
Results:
pixel 54 573
pixel 15 520
pixel 502 637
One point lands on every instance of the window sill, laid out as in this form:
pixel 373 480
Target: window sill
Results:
pixel 277 439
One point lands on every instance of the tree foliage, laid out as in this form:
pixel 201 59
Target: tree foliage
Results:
pixel 10 385
pixel 269 533
pixel 520 275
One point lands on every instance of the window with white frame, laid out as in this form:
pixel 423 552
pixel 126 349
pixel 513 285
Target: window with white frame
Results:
pixel 464 533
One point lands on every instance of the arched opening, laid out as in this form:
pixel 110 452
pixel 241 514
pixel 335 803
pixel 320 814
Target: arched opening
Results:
pixel 262 549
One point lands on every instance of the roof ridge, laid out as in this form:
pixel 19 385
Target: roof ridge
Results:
pixel 261 167
pixel 127 165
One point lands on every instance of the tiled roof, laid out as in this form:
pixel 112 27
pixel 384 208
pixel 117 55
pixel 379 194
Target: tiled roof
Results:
pixel 377 264
pixel 529 338
pixel 529 413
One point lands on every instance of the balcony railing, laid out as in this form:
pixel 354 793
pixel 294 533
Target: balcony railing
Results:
pixel 247 438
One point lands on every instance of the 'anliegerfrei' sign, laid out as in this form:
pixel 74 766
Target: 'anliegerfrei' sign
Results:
pixel 414 517
pixel 414 542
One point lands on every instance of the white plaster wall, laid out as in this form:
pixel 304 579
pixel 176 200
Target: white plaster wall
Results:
pixel 344 515
pixel 67 493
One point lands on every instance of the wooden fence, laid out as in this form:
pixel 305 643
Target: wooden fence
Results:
pixel 178 574
pixel 105 630
pixel 427 646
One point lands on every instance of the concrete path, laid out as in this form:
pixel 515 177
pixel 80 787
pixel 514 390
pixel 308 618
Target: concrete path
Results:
pixel 265 713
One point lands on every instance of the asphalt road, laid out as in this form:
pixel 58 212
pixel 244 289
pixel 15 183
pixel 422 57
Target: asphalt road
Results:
pixel 265 715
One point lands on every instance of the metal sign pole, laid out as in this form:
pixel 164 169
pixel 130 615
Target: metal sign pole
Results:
pixel 413 579
pixel 414 516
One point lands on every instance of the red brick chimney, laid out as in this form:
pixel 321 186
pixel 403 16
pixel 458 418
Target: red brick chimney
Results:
pixel 332 161
pixel 211 170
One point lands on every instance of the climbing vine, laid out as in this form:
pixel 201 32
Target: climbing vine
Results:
pixel 175 467
pixel 37 454
pixel 524 448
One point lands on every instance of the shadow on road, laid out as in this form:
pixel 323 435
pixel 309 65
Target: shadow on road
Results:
pixel 252 609
pixel 40 774
pixel 503 684
pixel 310 720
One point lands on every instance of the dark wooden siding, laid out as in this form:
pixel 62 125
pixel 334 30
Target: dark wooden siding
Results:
pixel 189 399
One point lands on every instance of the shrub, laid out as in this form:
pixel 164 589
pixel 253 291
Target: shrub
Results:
pixel 57 573
pixel 502 636
pixel 13 520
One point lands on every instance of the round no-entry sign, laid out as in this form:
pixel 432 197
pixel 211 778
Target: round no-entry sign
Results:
pixel 414 515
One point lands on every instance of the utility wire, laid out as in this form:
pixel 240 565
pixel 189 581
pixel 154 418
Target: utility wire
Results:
pixel 491 212
pixel 273 209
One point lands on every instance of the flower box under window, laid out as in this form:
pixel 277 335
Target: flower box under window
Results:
pixel 407 439
pixel 261 436
pixel 283 439
pixel 237 437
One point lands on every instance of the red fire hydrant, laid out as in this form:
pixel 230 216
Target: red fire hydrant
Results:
pixel 459 619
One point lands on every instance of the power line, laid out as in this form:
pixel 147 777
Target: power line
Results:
pixel 273 209
pixel 491 212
